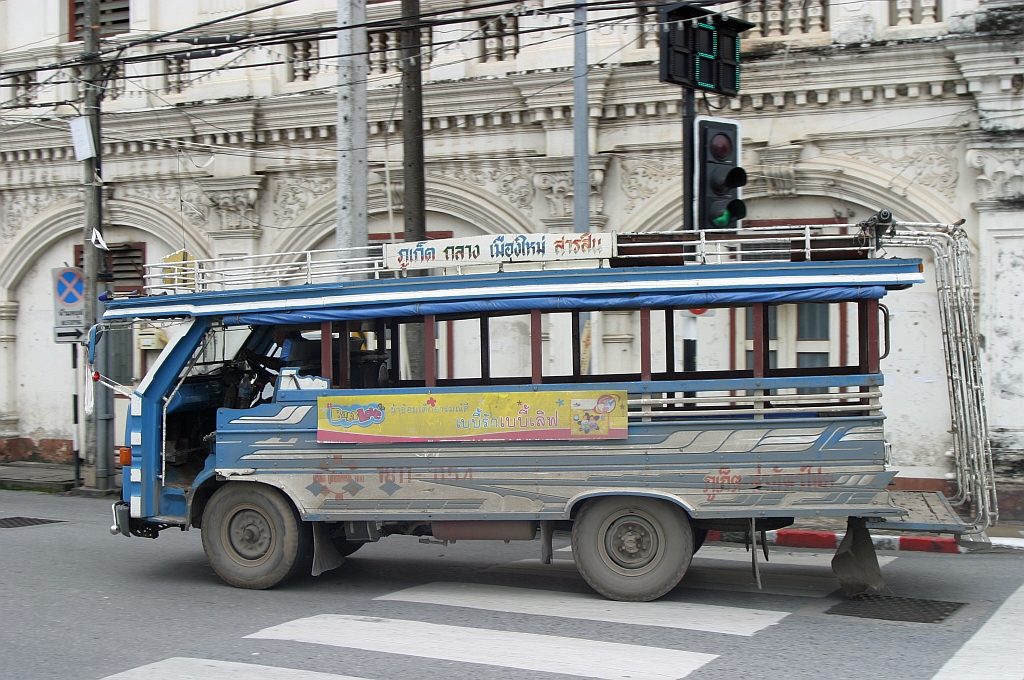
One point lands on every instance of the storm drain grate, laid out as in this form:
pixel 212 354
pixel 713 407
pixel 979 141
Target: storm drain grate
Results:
pixel 892 608
pixel 15 522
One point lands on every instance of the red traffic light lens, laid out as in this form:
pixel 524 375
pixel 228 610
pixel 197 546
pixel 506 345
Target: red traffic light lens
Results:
pixel 721 146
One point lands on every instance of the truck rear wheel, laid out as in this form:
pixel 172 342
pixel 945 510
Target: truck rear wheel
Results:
pixel 632 549
pixel 253 536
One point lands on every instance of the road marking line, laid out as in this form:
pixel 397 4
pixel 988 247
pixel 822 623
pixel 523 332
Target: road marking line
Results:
pixel 993 653
pixel 592 607
pixel 184 668
pixel 730 577
pixel 526 651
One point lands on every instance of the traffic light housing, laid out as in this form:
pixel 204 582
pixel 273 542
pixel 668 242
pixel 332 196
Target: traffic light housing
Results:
pixel 718 175
pixel 700 49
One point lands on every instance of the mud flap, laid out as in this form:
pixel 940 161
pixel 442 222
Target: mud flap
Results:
pixel 855 562
pixel 325 555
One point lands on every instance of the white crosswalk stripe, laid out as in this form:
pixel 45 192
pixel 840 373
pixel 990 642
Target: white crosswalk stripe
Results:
pixel 993 652
pixel 728 575
pixel 184 668
pixel 592 607
pixel 526 651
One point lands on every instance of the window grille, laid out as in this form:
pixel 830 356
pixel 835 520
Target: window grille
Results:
pixel 812 360
pixel 114 18
pixel 127 263
pixel 812 321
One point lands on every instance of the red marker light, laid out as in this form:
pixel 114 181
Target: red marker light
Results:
pixel 96 376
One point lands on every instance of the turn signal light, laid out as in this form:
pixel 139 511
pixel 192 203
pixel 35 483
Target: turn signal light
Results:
pixel 125 456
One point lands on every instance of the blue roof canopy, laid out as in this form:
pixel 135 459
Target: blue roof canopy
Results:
pixel 562 289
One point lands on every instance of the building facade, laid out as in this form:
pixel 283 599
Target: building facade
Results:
pixel 846 107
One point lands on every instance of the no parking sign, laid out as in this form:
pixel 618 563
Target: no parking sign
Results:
pixel 68 304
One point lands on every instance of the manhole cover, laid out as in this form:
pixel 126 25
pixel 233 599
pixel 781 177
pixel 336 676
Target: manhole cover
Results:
pixel 15 522
pixel 892 608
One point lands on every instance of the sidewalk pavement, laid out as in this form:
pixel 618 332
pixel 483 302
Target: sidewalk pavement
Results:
pixel 37 476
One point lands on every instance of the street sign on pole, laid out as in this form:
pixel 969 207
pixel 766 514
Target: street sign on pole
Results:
pixel 68 304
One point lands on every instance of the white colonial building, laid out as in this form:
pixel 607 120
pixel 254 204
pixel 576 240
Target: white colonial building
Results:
pixel 846 107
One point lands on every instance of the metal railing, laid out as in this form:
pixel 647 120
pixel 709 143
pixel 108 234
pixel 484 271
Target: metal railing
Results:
pixel 975 476
pixel 257 271
pixel 757 404
pixel 784 243
pixel 713 246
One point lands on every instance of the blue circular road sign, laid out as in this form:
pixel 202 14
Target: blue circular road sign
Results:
pixel 70 287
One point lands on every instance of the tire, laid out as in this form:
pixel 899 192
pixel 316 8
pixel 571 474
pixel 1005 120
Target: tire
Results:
pixel 254 537
pixel 632 549
pixel 699 536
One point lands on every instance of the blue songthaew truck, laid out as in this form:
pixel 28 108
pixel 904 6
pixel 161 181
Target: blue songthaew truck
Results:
pixel 308 403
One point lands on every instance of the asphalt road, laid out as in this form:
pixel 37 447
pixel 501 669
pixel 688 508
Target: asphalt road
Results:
pixel 76 602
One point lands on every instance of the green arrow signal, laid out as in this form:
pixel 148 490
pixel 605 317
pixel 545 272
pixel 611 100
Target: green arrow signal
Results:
pixel 722 220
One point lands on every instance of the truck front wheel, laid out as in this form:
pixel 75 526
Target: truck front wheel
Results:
pixel 632 549
pixel 253 536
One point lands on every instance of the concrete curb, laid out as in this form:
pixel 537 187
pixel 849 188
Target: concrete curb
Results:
pixel 1007 543
pixel 795 538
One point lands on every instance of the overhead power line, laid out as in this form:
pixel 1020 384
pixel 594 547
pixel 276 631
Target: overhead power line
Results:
pixel 381 24
pixel 320 58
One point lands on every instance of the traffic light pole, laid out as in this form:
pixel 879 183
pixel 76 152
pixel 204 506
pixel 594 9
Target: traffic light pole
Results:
pixel 689 115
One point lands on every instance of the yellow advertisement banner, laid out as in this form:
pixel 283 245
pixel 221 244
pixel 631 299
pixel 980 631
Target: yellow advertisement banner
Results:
pixel 472 416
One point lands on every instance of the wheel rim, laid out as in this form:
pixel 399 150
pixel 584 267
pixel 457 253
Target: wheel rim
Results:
pixel 633 542
pixel 249 535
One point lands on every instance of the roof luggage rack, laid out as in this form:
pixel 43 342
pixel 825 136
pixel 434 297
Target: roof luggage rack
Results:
pixel 474 254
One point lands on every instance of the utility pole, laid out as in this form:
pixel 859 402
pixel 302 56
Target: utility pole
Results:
pixel 580 125
pixel 351 229
pixel 97 424
pixel 415 207
pixel 413 174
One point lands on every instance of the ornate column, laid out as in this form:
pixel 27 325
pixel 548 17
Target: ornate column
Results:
pixel 778 164
pixel 234 221
pixel 555 182
pixel 8 378
pixel 1000 190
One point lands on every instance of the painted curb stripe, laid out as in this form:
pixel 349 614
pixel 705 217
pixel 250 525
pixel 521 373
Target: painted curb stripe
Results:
pixel 795 538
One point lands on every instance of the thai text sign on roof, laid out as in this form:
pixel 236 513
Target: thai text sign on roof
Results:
pixel 498 249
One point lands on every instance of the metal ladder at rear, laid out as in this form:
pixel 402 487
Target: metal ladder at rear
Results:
pixel 975 478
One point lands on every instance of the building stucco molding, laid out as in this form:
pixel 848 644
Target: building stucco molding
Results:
pixel 1000 173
